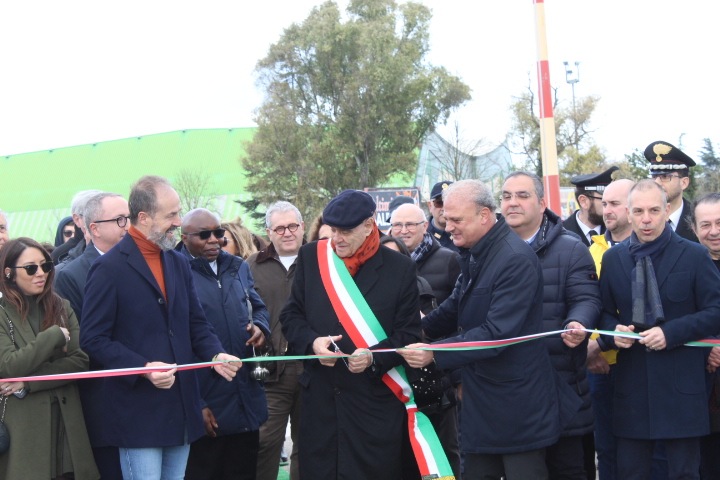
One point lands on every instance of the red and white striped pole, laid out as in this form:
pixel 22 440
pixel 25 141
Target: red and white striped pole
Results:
pixel 548 147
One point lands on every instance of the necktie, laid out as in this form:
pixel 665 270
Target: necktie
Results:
pixel 592 233
pixel 672 225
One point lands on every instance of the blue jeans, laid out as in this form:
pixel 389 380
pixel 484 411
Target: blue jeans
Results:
pixel 602 390
pixel 163 463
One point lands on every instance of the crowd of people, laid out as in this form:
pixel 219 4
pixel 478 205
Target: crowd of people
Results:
pixel 611 391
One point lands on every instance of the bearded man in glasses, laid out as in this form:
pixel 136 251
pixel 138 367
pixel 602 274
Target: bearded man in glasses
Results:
pixel 670 168
pixel 273 269
pixel 351 421
pixel 141 310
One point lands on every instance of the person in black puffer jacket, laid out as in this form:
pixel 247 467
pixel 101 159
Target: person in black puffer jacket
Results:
pixel 571 299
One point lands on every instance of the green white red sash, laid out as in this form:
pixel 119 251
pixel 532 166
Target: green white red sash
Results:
pixel 365 330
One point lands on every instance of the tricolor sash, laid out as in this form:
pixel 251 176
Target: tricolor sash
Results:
pixel 365 330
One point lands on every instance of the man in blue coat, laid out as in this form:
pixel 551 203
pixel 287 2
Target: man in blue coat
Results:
pixel 232 411
pixel 141 309
pixel 666 288
pixel 511 408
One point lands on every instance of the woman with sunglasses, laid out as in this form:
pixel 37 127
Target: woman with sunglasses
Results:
pixel 39 336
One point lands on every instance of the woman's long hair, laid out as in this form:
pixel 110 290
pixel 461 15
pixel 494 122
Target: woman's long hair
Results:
pixel 242 236
pixel 48 300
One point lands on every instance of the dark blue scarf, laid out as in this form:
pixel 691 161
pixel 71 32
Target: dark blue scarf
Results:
pixel 647 310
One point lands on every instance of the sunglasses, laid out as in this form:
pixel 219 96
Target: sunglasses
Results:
pixel 68 233
pixel 32 269
pixel 205 234
pixel 438 202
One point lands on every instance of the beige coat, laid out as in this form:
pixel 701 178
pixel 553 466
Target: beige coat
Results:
pixel 29 419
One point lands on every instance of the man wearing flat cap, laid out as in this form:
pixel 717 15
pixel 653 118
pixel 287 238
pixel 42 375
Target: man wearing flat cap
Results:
pixel 587 221
pixel 670 168
pixel 350 296
pixel 436 225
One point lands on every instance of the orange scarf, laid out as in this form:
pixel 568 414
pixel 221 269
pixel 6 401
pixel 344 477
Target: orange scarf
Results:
pixel 151 253
pixel 368 248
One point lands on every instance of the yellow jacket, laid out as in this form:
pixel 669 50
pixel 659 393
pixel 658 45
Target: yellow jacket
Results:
pixel 598 248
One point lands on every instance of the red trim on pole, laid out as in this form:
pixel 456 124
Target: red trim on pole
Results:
pixel 545 100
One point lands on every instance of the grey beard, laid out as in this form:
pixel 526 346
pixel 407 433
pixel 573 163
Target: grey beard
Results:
pixel 161 240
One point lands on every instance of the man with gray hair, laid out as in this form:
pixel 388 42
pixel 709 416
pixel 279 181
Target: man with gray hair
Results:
pixel 106 217
pixel 4 236
pixel 76 246
pixel 663 287
pixel 510 409
pixel 273 270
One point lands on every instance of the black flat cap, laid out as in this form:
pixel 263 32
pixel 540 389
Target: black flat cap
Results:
pixel 594 182
pixel 349 209
pixel 439 188
pixel 666 157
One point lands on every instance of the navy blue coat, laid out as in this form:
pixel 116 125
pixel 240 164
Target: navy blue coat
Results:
pixel 570 293
pixel 510 395
pixel 127 323
pixel 661 394
pixel 238 406
pixel 70 281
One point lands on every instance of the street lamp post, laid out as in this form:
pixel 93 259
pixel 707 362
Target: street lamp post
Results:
pixel 572 76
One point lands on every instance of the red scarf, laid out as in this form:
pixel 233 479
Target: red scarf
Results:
pixel 368 248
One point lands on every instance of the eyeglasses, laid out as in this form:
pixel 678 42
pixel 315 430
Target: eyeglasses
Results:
pixel 281 229
pixel 32 269
pixel 411 226
pixel 205 234
pixel 121 221
pixel 507 196
pixel 438 202
pixel 337 350
pixel 68 233
pixel 664 177
pixel 593 197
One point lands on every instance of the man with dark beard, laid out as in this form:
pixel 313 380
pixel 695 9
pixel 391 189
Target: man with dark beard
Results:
pixel 141 310
pixel 587 220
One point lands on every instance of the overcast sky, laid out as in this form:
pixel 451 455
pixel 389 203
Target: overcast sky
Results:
pixel 76 72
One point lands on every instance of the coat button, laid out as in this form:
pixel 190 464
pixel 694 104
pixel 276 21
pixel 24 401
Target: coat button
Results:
pixel 170 332
pixel 161 301
pixel 460 329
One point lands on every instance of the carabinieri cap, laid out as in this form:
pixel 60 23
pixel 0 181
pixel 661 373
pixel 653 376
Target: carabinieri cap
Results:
pixel 665 157
pixel 593 182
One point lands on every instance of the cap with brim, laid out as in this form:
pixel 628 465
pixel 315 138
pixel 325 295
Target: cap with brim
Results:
pixel 349 209
pixel 593 182
pixel 439 188
pixel 397 201
pixel 665 157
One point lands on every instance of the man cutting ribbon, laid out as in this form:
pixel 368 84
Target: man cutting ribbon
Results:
pixel 353 296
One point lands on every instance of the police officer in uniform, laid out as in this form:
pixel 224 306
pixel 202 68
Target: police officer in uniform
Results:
pixel 587 220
